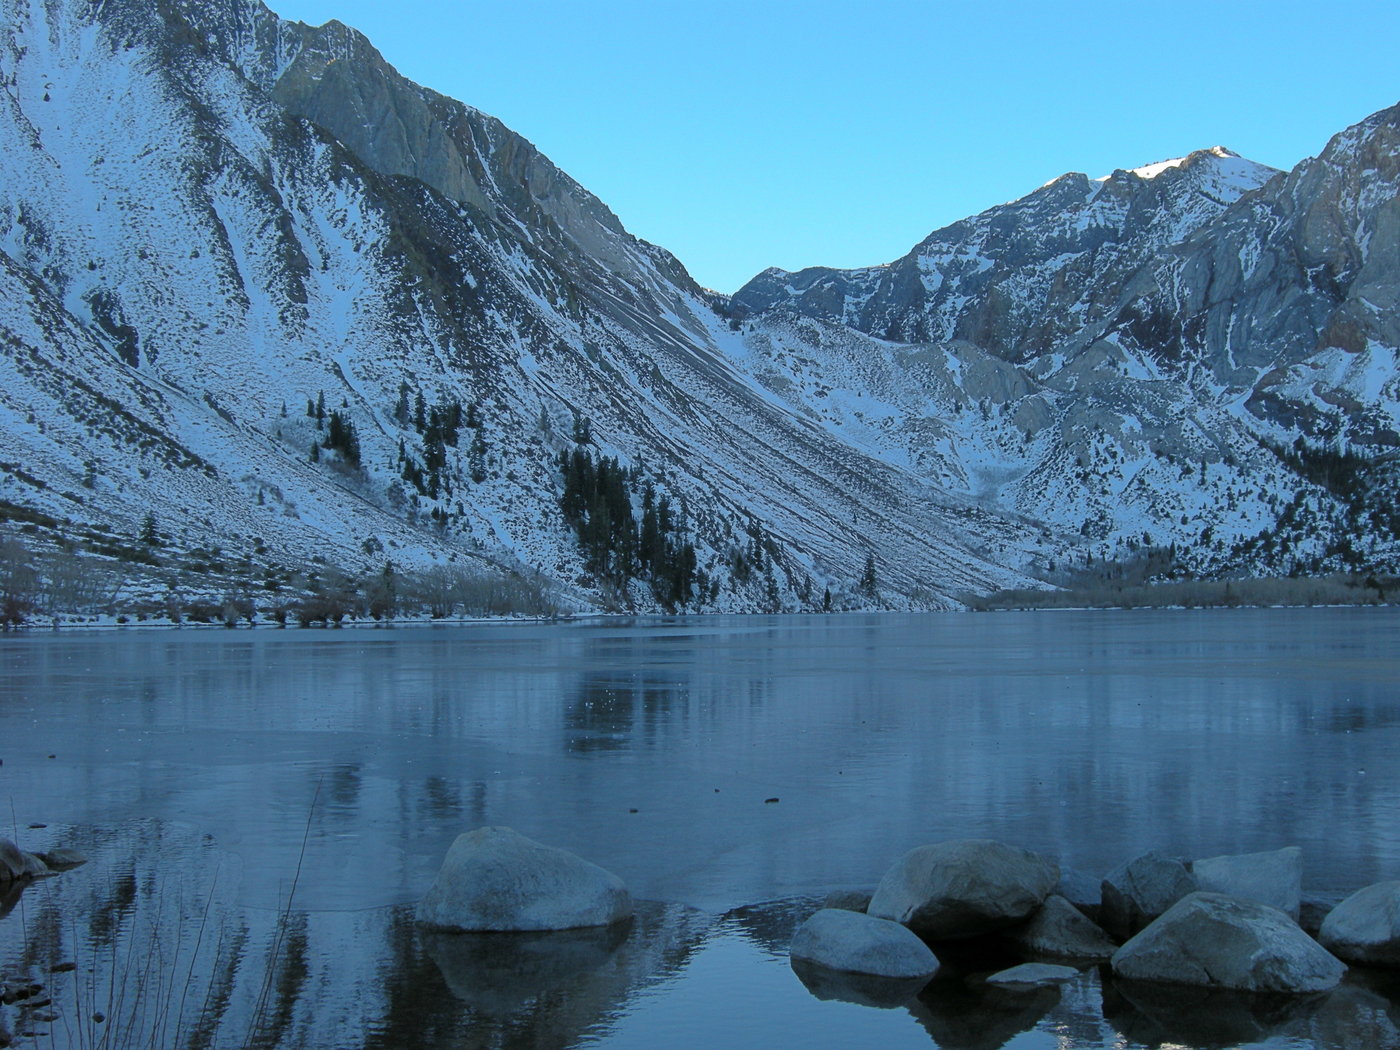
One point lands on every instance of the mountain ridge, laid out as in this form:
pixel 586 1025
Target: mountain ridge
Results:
pixel 225 228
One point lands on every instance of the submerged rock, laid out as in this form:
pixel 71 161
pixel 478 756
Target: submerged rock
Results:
pixel 854 943
pixel 1274 878
pixel 1213 940
pixel 848 900
pixel 1032 975
pixel 1061 930
pixel 1365 928
pixel 963 888
pixel 497 879
pixel 1136 893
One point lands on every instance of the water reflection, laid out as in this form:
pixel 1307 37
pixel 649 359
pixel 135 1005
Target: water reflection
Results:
pixel 1090 737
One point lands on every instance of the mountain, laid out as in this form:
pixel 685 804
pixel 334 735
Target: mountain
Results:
pixel 1200 352
pixel 273 316
pixel 232 244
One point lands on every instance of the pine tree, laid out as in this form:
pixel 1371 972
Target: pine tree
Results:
pixel 150 534
pixel 869 585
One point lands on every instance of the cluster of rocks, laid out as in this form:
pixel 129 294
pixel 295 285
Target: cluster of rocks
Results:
pixel 18 869
pixel 963 933
pixel 1228 923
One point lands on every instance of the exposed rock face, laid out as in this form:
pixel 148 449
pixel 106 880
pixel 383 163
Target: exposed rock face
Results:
pixel 495 879
pixel 1208 290
pixel 963 888
pixel 1140 890
pixel 1213 940
pixel 1365 928
pixel 1061 930
pixel 848 941
pixel 1022 276
pixel 1274 878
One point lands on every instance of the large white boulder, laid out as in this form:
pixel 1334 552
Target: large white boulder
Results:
pixel 1213 940
pixel 1365 928
pixel 1274 878
pixel 854 943
pixel 963 888
pixel 497 879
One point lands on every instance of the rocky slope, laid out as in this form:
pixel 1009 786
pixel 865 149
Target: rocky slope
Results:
pixel 221 230
pixel 1198 353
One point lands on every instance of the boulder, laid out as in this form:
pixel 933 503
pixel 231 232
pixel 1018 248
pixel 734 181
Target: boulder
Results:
pixel 1032 975
pixel 1212 940
pixel 1062 931
pixel 1274 878
pixel 34 868
pixel 1365 928
pixel 1081 889
pixel 855 943
pixel 497 879
pixel 62 859
pixel 11 861
pixel 1314 908
pixel 1137 892
pixel 963 888
pixel 847 900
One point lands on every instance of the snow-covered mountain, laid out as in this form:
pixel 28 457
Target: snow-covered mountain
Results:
pixel 262 290
pixel 1199 352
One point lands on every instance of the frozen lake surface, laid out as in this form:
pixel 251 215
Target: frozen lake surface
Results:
pixel 192 766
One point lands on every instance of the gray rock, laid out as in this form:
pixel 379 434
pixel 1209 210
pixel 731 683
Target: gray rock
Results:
pixel 1365 928
pixel 11 861
pixel 34 868
pixel 1274 878
pixel 848 900
pixel 855 943
pixel 62 859
pixel 1061 930
pixel 1139 891
pixel 1212 940
pixel 1081 889
pixel 1315 907
pixel 1032 975
pixel 963 888
pixel 497 879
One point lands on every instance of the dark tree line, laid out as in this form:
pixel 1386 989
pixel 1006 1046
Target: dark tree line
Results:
pixel 598 503
pixel 440 427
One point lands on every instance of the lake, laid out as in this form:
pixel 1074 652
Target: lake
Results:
pixel 731 770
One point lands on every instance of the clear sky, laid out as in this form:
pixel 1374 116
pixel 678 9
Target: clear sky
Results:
pixel 742 134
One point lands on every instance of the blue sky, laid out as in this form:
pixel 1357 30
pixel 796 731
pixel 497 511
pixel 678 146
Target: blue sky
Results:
pixel 742 135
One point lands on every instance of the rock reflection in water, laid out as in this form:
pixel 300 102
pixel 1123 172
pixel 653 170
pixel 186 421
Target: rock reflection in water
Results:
pixel 1206 1017
pixel 963 1018
pixel 883 993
